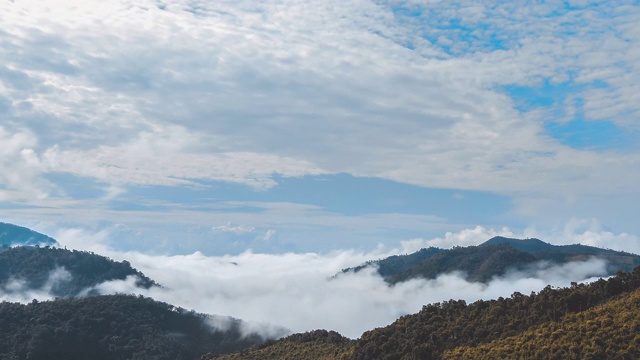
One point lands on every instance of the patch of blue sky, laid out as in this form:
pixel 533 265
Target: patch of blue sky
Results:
pixel 76 187
pixel 349 195
pixel 341 194
pixel 589 134
pixel 546 95
pixel 577 131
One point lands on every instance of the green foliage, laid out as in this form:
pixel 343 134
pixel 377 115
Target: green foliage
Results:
pixel 313 345
pixel 587 321
pixel 398 263
pixel 445 326
pixel 609 331
pixel 111 327
pixel 35 264
pixel 492 258
pixel 480 263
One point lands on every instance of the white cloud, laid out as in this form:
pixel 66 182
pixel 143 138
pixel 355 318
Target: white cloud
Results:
pixel 22 167
pixel 232 228
pixel 251 89
pixel 298 291
pixel 269 234
pixel 466 237
pixel 18 290
pixel 162 157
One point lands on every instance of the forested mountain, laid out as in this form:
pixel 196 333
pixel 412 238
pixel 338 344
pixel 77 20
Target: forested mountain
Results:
pixel 585 321
pixel 112 327
pixel 493 257
pixel 64 272
pixel 317 345
pixel 597 320
pixel 12 235
pixel 609 331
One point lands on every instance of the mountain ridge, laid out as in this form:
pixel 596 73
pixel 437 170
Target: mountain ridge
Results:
pixel 491 258
pixel 454 329
pixel 12 235
pixel 77 271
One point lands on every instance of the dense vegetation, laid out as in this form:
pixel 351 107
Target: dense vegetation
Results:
pixel 34 265
pixel 111 327
pixel 493 258
pixel 11 235
pixel 481 263
pixel 609 331
pixel 318 345
pixel 539 325
pixel 444 326
pixel 586 321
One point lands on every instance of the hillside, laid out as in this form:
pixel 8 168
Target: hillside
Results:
pixel 488 329
pixel 12 235
pixel 609 331
pixel 112 327
pixel 444 326
pixel 64 272
pixel 395 264
pixel 317 344
pixel 493 258
pixel 617 260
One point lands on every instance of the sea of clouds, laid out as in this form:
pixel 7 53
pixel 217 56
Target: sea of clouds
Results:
pixel 299 291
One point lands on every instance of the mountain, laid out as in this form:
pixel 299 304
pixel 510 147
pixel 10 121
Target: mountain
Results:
pixel 12 235
pixel 493 258
pixel 529 245
pixel 445 326
pixel 113 327
pixel 599 320
pixel 395 264
pixel 609 331
pixel 317 345
pixel 61 272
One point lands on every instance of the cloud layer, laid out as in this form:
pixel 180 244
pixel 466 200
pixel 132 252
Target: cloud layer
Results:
pixel 155 93
pixel 299 292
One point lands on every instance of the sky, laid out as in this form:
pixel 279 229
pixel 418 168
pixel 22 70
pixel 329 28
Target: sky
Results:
pixel 170 127
pixel 243 152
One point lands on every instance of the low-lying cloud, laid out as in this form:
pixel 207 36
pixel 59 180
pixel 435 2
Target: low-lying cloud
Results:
pixel 19 290
pixel 300 293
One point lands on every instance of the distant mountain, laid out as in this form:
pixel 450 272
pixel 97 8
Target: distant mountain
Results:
pixel 584 321
pixel 62 272
pixel 113 327
pixel 395 264
pixel 491 258
pixel 12 235
pixel 529 245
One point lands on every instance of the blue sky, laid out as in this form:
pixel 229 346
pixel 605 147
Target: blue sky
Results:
pixel 311 126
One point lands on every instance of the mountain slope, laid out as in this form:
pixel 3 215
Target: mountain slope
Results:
pixel 445 326
pixel 395 264
pixel 112 327
pixel 63 272
pixel 489 329
pixel 12 235
pixel 529 245
pixel 479 263
pixel 609 331
pixel 493 258
pixel 317 345
pixel 617 260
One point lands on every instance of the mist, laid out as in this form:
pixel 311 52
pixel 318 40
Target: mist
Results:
pixel 18 290
pixel 299 291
